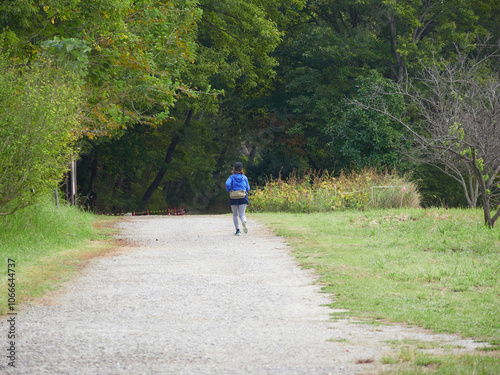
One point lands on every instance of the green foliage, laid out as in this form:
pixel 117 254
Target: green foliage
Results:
pixel 315 192
pixel 137 63
pixel 337 49
pixel 239 36
pixel 437 188
pixel 69 53
pixel 424 28
pixel 361 137
pixel 39 123
pixel 229 44
pixel 277 72
pixel 113 173
pixel 318 65
pixel 135 52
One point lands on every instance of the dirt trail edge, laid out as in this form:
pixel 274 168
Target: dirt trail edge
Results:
pixel 191 298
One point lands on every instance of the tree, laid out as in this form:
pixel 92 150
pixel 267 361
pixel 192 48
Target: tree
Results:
pixel 234 42
pixel 416 29
pixel 360 137
pixel 39 121
pixel 454 121
pixel 137 50
pixel 328 45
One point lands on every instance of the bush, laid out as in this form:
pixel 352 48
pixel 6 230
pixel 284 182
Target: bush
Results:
pixel 39 123
pixel 322 192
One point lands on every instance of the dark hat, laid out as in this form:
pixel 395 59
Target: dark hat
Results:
pixel 238 165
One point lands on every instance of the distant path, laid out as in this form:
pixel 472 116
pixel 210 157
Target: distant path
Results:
pixel 188 297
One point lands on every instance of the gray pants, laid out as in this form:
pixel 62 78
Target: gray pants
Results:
pixel 238 210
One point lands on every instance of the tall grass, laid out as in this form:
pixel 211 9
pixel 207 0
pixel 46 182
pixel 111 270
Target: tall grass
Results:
pixel 322 192
pixel 45 242
pixel 41 229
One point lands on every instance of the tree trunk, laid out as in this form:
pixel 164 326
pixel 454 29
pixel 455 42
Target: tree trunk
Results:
pixel 495 218
pixel 251 157
pixel 168 158
pixel 482 186
pixel 470 187
pixel 486 210
pixel 90 189
pixel 394 40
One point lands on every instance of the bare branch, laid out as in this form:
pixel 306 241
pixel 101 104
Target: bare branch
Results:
pixel 455 120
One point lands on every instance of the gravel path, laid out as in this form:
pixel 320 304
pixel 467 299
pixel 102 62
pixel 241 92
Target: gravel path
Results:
pixel 188 297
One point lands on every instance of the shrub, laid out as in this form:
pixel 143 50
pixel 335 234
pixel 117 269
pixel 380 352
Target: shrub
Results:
pixel 39 123
pixel 322 192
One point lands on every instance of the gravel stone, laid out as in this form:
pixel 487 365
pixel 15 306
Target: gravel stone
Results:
pixel 188 297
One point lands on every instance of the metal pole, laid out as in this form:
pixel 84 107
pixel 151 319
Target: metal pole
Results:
pixel 67 187
pixel 73 182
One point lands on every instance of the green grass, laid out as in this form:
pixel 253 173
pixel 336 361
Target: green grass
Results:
pixel 412 362
pixel 433 268
pixel 48 245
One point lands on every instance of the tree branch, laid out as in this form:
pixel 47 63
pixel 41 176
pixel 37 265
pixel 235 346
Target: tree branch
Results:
pixel 224 31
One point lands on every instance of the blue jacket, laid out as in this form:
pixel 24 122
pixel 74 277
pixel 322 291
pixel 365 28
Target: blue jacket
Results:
pixel 237 181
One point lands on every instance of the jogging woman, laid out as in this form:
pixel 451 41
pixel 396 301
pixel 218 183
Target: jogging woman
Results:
pixel 238 181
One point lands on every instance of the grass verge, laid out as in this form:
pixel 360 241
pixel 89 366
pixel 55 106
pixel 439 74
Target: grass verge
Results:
pixel 434 268
pixel 48 245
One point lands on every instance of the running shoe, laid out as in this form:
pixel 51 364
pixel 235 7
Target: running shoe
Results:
pixel 238 233
pixel 245 229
